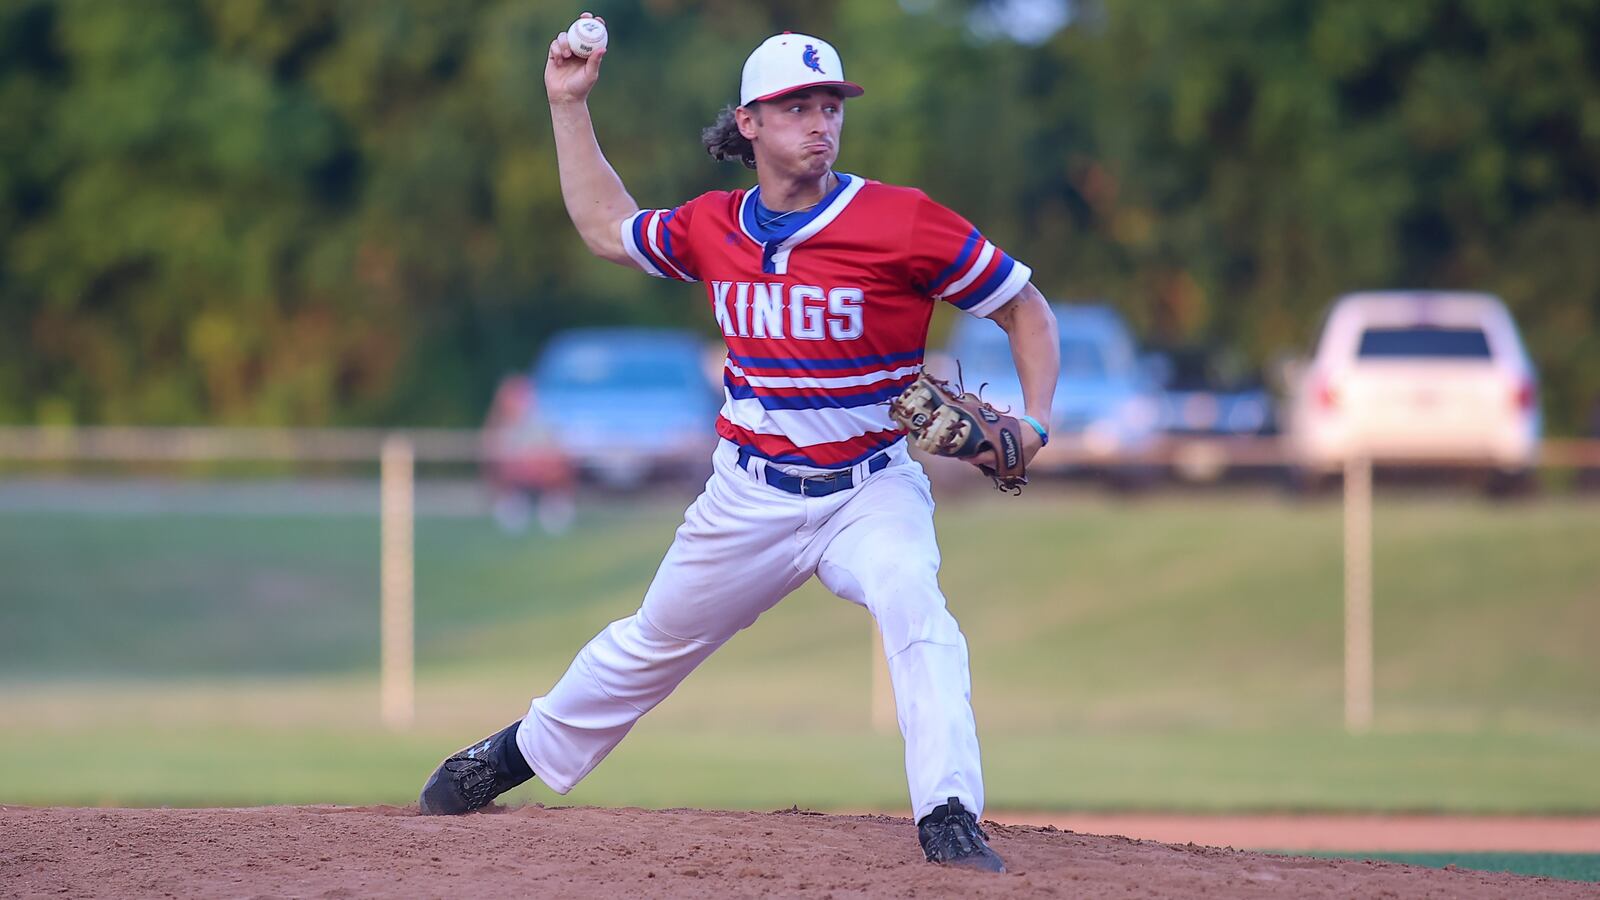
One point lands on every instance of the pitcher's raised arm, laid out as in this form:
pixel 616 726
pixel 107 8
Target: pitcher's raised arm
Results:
pixel 596 199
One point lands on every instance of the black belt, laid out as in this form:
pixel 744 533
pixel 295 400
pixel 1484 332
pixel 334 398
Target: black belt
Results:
pixel 813 485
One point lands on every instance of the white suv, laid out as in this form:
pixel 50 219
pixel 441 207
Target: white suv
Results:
pixel 1417 376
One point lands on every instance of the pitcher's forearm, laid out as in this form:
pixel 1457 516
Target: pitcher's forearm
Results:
pixel 1035 349
pixel 596 199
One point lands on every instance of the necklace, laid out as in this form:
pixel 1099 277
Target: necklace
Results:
pixel 768 222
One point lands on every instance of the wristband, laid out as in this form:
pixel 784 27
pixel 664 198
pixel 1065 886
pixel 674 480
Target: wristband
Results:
pixel 1044 436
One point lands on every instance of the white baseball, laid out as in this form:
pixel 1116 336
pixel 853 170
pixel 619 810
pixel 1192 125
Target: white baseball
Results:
pixel 586 35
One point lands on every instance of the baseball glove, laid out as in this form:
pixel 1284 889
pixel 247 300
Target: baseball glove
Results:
pixel 946 421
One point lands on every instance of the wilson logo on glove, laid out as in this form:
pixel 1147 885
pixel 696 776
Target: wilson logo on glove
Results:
pixel 947 421
pixel 1013 452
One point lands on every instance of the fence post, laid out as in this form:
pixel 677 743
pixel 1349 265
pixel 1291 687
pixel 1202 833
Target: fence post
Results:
pixel 1358 595
pixel 396 693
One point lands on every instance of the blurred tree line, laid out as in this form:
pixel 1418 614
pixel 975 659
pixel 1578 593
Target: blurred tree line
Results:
pixel 311 211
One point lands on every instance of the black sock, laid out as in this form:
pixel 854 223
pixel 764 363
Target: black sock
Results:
pixel 939 814
pixel 942 811
pixel 505 755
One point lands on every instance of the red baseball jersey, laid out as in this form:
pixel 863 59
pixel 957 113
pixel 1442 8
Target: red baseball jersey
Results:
pixel 826 318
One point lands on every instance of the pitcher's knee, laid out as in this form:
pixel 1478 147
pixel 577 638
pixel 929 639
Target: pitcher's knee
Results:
pixel 635 642
pixel 908 616
pixel 637 664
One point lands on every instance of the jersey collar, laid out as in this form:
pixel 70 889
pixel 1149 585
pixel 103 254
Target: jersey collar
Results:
pixel 775 245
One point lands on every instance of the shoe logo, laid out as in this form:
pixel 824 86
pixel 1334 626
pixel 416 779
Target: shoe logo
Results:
pixel 481 748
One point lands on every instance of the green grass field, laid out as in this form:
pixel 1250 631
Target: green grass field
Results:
pixel 1172 653
pixel 1569 866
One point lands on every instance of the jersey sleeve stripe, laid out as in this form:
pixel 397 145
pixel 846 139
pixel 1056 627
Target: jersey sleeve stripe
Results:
pixel 654 233
pixel 961 260
pixel 666 246
pixel 982 291
pixel 633 242
pixel 1018 276
pixel 972 273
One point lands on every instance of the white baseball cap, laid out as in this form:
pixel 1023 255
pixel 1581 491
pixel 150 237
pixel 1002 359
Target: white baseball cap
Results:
pixel 790 62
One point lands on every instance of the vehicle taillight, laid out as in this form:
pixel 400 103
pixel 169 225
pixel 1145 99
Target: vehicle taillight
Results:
pixel 1327 395
pixel 1527 396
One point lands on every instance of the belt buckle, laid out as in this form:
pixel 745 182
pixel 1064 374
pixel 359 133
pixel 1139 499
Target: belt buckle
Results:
pixel 803 480
pixel 826 480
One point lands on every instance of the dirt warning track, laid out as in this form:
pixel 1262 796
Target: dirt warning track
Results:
pixel 582 852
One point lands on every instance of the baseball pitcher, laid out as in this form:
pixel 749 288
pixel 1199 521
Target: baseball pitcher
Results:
pixel 822 284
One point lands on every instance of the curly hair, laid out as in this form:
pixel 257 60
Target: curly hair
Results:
pixel 724 142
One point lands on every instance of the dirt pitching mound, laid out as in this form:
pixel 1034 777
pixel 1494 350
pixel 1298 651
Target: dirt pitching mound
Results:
pixel 585 852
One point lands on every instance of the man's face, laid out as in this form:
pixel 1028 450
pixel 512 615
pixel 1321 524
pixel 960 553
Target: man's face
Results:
pixel 796 134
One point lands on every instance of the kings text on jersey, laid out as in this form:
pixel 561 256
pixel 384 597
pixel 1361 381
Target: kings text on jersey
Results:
pixel 771 309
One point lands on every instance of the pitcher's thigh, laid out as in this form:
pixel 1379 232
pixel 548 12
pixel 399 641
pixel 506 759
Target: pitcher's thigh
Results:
pixel 885 556
pixel 720 573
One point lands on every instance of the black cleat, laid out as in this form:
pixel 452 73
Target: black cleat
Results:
pixel 950 836
pixel 468 780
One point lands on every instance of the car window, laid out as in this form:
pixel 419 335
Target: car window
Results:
pixel 1424 341
pixel 600 367
pixel 1210 370
pixel 1082 360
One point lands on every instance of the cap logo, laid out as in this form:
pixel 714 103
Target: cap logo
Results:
pixel 812 60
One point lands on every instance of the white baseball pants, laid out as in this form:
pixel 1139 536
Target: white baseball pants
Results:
pixel 743 546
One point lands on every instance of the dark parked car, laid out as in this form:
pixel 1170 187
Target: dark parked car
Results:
pixel 1209 394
